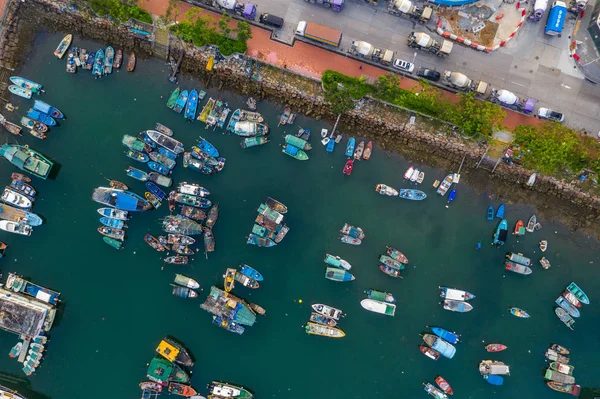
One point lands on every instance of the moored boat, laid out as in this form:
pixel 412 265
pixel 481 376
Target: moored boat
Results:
pixel 562 368
pixel 254 141
pixel 192 104
pixel 131 62
pixel 358 152
pixel 137 156
pixel 380 296
pixel 444 385
pixel 173 99
pixel 276 205
pixel 23 188
pixel 564 317
pixel 501 233
pixel 350 147
pixel 531 224
pixel 412 194
pixel 493 367
pixel 177 260
pixel 372 305
pixel 120 199
pixel 391 262
pixel 154 242
pixel 98 68
pixel 165 141
pixel 444 348
pixel 118 59
pixel 396 255
pixel 518 268
pixel 35 88
pixel 192 189
pixel 384 189
pixel 181 101
pixel 295 152
pixel 578 292
pixel 174 351
pixel 110 222
pixel 15 351
pixel 564 388
pixel 20 177
pixel 41 117
pixel 571 298
pixel 445 185
pixel 183 292
pixel 109 59
pixel 27 159
pixel 209 241
pixel 297 142
pixel 519 228
pixel 348 166
pixel 160 179
pixel 246 281
pixel 429 352
pixel 324 320
pixel 457 306
pixel 20 91
pixel 495 347
pixel 390 271
pixel 455 294
pixel 368 151
pixel 160 168
pixel 449 336
pixel 182 249
pixel 136 173
pixel 352 231
pixel 519 312
pixel 553 375
pixel 324 331
pixel 63 46
pixel 205 113
pixel 563 303
pixel 490 213
pixel 112 232
pixel 213 215
pixel 433 391
pixel 152 199
pixel 181 389
pixel 118 185
pixel 543 245
pixel 335 274
pixel 497 380
pixel 350 240
pixel 327 310
pixel 500 211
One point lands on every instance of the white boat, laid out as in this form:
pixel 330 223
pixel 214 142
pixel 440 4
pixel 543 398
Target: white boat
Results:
pixel 408 173
pixel 325 141
pixel 327 310
pixel 13 227
pixel 9 393
pixel 192 189
pixel 415 175
pixel 19 200
pixel 421 177
pixel 445 184
pixel 531 180
pixel 454 294
pixel 388 309
pixel 165 141
pixel 383 189
pixel 543 245
pixel 324 133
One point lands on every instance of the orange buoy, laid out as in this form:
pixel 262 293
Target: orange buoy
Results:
pixel 499 17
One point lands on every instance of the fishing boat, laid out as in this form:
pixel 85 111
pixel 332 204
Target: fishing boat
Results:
pixel 493 367
pixel 109 60
pixel 89 62
pixel 495 347
pixel 118 59
pixel 113 243
pixel 444 348
pixel 445 185
pixel 174 351
pixel 358 153
pixel 324 320
pixel 221 116
pixel 414 176
pixel 229 279
pixel 564 388
pixel 131 62
pixel 144 137
pixel 113 213
pixel 449 336
pixel 192 189
pixel 253 141
pixel 287 117
pixel 180 239
pixel 23 188
pixel 154 242
pixel 350 147
pixel 63 46
pixel 381 296
pixel 295 152
pixel 177 260
pixel 433 391
pixel 153 200
pixel 457 306
pixel 384 189
pixel 110 222
pixel 350 240
pixel 501 233
pixel 136 144
pixel 519 228
pixel 297 142
pixel 209 241
pixel 562 368
pixel 204 114
pixel 246 281
pixel 157 167
pixel 500 212
pixel 372 305
pixel 555 356
pixel 553 375
pixel 118 185
pixel 181 101
pixel 414 195
pixel 41 117
pixel 120 199
pixel 20 177
pixel 160 179
pixel 519 313
pixel 324 331
pixel 156 191
pixel 219 389
pixel 497 380
pixel 15 129
pixel 454 294
pixel 98 68
pixel 490 213
pixel 572 299
pixel 137 156
pixel 187 199
pixel 336 261
pixel 251 273
pixel 276 205
pixel 578 292
pixel 572 310
pixel 421 177
pixel 192 213
pixel 71 57
pixel 35 88
pixel 20 91
pixel 191 106
pixel 368 151
pixel 182 249
pixel 531 224
pixel 429 352
pixel 165 141
pixel 181 389
pixel 390 271
pixel 228 325
pixel 347 170
pixel 213 215
pixel 335 274
pixel 396 255
pixel 352 231
pixel 391 262
pixel 249 129
pixel 517 268
pixel 27 159
pixel 327 310
pixel 112 232
pixel 173 99
pixel 207 147
pixel 15 351
pixel 137 173
pixel 444 385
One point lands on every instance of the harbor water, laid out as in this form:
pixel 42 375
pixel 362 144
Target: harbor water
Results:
pixel 117 305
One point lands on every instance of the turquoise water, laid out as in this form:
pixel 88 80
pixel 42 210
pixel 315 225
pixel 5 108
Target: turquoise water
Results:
pixel 117 305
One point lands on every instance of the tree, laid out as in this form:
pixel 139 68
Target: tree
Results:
pixel 476 118
pixel 243 31
pixel 172 11
pixel 224 23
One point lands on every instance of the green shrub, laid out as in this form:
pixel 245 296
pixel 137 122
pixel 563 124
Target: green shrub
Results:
pixel 120 11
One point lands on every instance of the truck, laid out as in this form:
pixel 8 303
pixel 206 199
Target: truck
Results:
pixel 556 19
pixel 423 41
pixel 335 5
pixel 460 81
pixel 319 33
pixel 367 50
pixel 510 100
pixel 247 10
pixel 406 7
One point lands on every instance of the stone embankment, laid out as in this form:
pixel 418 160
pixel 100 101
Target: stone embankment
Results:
pixel 386 125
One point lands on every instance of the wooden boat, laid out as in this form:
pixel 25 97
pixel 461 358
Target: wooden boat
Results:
pixel 209 241
pixel 457 306
pixel 112 232
pixel 564 388
pixel 295 152
pixel 391 262
pixel 287 116
pixel 71 64
pixel 454 294
pixel 109 59
pixel 110 222
pixel 562 368
pixel 335 274
pixel 183 292
pixel 560 349
pixel 444 385
pixel 390 271
pixel 519 313
pixel 352 231
pixel 347 170
pixel 246 281
pixel 531 224
pixel 350 147
pixel 396 255
pixel 276 205
pixel 160 179
pixel 553 375
pixel 118 185
pixel 543 245
pixel 445 184
pixel 182 249
pixel 381 296
pixel 517 268
pixel 154 242
pixel 571 298
pixel 324 320
pixel 113 243
pixel 555 356
pixel 137 156
pixel 449 336
pixel 229 279
pixel 327 310
pixel 429 352
pixel 35 88
pixel 421 177
pixel 572 310
pixel 213 215
pixel 350 240
pixel 372 305
pixel 98 68
pixel 578 292
pixel 495 347
pixel 17 199
pixel 192 213
pixel 165 141
pixel 415 195
pixel 368 151
pixel 323 331
pixel 383 189
pixel 41 117
pixel 177 260
pixel 181 389
pixel 20 177
pixel 181 101
pixel 414 176
pixel 191 106
pixel 186 281
pixel 63 46
pixel 20 91
pixel 358 153
pixel 203 117
pixel 490 213
pixel 501 233
pixel 152 199
pixel 137 174
pixel 493 367
pixel 500 212
pixel 131 62
pixel 27 159
pixel 118 59
pixel 23 188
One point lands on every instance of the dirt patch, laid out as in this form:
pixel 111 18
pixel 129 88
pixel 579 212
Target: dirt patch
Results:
pixel 466 25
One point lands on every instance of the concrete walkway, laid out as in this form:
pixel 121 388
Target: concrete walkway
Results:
pixel 589 59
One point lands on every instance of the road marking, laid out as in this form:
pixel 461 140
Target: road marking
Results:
pixel 518 84
pixel 565 86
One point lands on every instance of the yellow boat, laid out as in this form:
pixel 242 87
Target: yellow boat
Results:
pixel 210 63
pixel 63 46
pixel 174 352
pixel 206 110
pixel 229 279
pixel 323 331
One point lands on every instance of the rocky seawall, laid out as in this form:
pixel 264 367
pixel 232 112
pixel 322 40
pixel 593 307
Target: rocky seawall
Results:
pixel 386 125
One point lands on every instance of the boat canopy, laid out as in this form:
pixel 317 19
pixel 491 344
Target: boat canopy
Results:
pixel 167 350
pixel 159 370
pixel 446 349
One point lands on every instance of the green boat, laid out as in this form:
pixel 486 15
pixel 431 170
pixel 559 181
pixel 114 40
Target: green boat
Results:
pixel 27 159
pixel 254 141
pixel 161 370
pixel 133 143
pixel 335 274
pixel 297 142
pixel 173 99
pixel 578 292
pixel 113 243
pixel 295 152
pixel 227 390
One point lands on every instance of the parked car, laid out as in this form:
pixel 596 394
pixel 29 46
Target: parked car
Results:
pixel 404 65
pixel 271 20
pixel 547 113
pixel 429 74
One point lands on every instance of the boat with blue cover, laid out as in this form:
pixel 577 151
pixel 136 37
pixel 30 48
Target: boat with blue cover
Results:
pixel 295 152
pixel 114 213
pixel 35 88
pixel 89 63
pixel 110 222
pixel 208 148
pixel 490 213
pixel 157 167
pixel 336 261
pixel 191 106
pixel 154 189
pixel 494 379
pixel 501 233
pixel 137 174
pixel 27 159
pixel 163 160
pixel 146 139
pixel 451 337
pixel 137 156
pixel 335 274
pixel 350 147
pixel 411 194
pixel 181 101
pixel 444 348
pixel 381 296
pixel 109 60
pixel 167 153
pixel 330 145
pixel 120 199
pixel 566 305
pixel 20 91
pixel 228 325
pixel 41 117
pixel 578 292
pixel 500 212
pixel 260 241
pixel 250 272
pixel 452 196
pixel 98 67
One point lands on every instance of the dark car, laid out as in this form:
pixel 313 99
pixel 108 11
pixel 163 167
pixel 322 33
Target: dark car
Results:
pixel 271 20
pixel 429 74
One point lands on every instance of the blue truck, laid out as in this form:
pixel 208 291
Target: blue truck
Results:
pixel 556 19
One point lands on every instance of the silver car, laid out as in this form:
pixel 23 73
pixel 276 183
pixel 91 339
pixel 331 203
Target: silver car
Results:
pixel 404 65
pixel 547 113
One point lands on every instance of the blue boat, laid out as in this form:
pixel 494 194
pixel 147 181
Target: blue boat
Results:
pixel 154 189
pixel 137 174
pixel 109 59
pixel 250 272
pixel 181 101
pixel 335 274
pixel 41 117
pixel 566 305
pixel 146 139
pixel 48 109
pixel 26 84
pixel 228 325
pixel 350 147
pixel 167 153
pixel 89 63
pixel 260 241
pixel 446 349
pixel 41 293
pixel 208 148
pixel 98 67
pixel 452 196
pixel 110 222
pixel 494 379
pixel 137 156
pixel 157 167
pixel 192 104
pixel 500 212
pixel 451 337
pixel 31 219
pixel 490 213
pixel 501 233
pixel 412 194
pixel 330 145
pixel 120 199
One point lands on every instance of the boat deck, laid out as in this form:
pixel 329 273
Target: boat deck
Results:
pixel 22 315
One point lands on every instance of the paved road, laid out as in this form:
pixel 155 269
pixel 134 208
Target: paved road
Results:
pixel 530 66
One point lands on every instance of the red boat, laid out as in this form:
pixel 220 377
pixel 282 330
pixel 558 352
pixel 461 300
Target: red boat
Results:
pixel 151 386
pixel 443 384
pixel 390 271
pixel 429 352
pixel 495 347
pixel 571 298
pixel 519 228
pixel 348 167
pixel 21 177
pixel 181 389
